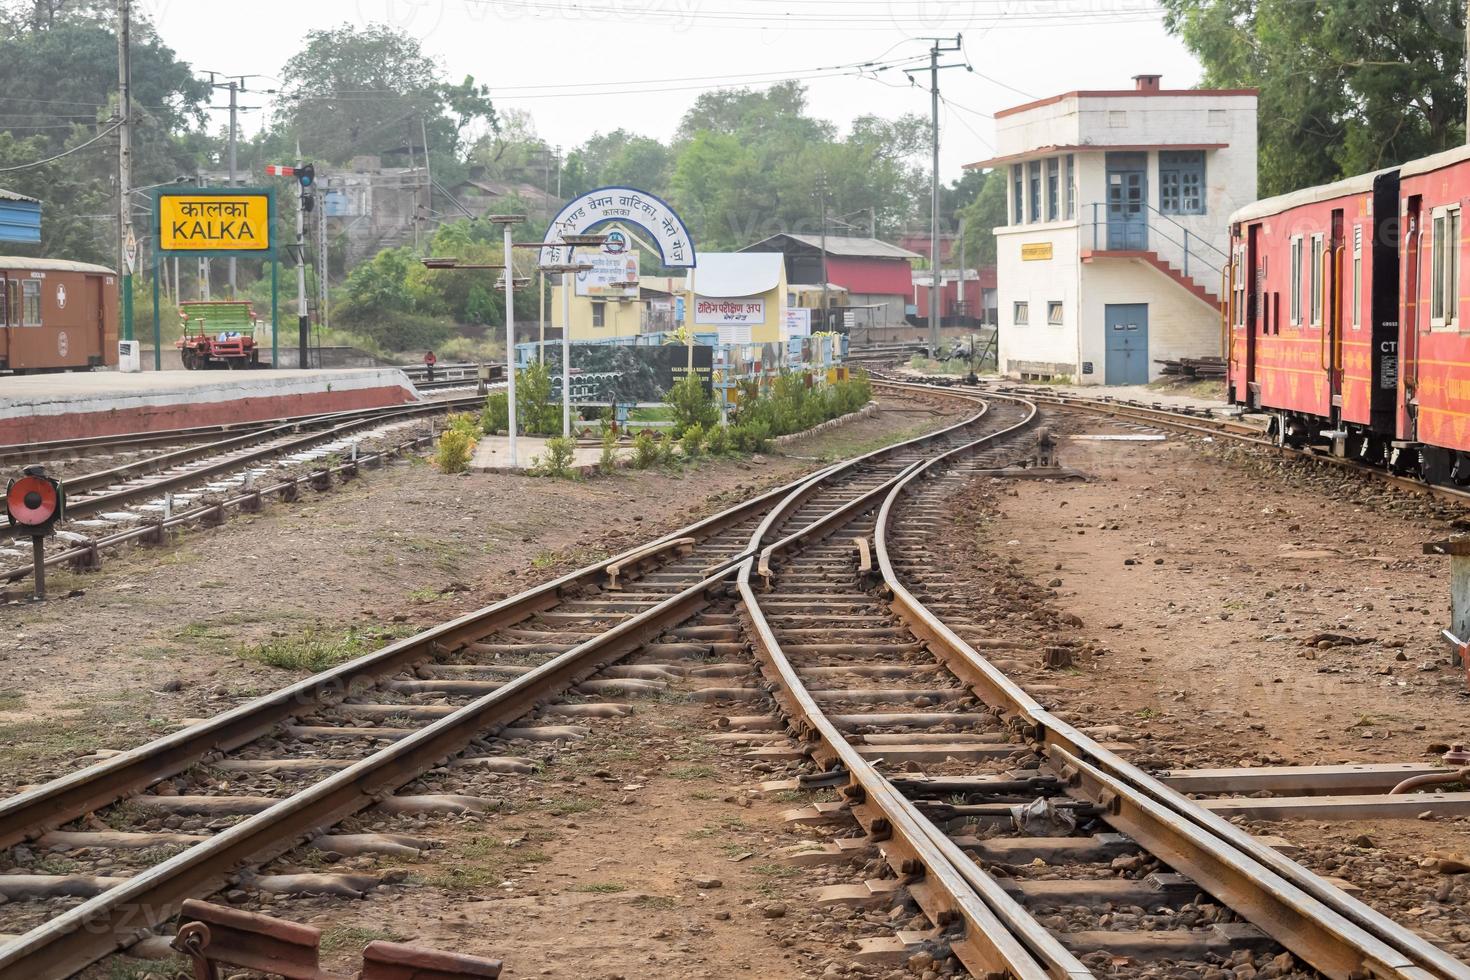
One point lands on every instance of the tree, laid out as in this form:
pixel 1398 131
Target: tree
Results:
pixel 368 90
pixel 1347 86
pixel 981 217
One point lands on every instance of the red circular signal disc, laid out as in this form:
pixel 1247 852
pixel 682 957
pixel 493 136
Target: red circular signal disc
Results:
pixel 42 506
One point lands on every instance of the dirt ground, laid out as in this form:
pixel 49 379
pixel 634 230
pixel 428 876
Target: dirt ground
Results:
pixel 1233 609
pixel 161 635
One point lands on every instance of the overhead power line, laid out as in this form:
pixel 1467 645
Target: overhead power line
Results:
pixel 65 153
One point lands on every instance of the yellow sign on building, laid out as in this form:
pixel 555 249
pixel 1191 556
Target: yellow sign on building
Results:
pixel 214 222
pixel 1036 252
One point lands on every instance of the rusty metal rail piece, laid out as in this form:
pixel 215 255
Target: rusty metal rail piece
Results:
pixel 1339 935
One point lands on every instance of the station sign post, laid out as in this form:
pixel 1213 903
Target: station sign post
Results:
pixel 215 222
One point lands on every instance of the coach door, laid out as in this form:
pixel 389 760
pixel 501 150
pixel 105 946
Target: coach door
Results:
pixel 1332 282
pixel 1127 343
pixel 5 320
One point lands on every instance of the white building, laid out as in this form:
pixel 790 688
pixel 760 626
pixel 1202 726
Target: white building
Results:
pixel 1117 232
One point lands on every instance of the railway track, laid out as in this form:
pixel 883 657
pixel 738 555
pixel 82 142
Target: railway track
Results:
pixel 136 499
pixel 184 815
pixel 1007 825
pixel 872 662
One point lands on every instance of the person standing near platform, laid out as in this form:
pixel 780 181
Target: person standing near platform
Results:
pixel 429 361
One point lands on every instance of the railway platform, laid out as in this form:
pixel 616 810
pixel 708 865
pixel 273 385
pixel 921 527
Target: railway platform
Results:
pixel 70 406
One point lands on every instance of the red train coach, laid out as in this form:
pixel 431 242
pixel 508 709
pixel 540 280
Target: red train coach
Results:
pixel 1346 317
pixel 56 315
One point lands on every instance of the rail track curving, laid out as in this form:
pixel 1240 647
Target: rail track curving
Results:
pixel 871 660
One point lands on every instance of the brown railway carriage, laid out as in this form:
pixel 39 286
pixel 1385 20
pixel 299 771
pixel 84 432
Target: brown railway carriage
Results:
pixel 56 315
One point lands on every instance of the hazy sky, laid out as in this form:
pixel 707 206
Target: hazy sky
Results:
pixel 581 67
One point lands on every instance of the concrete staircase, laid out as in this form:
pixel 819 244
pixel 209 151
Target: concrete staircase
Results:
pixel 1152 258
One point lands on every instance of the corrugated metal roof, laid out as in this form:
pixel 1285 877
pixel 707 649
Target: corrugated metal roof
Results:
pixel 25 263
pixel 871 248
pixel 6 195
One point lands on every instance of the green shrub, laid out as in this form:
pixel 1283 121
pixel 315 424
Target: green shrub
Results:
pixel 693 440
pixel 466 424
pixel 645 450
pixel 537 413
pixel 453 453
pixel 691 405
pixel 718 442
pixel 496 415
pixel 557 460
pixel 751 437
pixel 608 461
pixel 666 449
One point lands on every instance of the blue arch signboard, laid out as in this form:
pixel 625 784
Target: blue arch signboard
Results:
pixel 629 205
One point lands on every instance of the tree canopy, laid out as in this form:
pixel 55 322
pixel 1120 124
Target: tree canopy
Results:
pixel 1347 86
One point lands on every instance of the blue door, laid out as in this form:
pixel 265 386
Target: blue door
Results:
pixel 1127 343
pixel 1127 199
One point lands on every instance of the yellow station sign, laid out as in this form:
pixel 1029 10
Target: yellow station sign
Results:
pixel 214 222
pixel 1036 252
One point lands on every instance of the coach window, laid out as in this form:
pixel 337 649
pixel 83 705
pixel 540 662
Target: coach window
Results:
pixel 1445 284
pixel 1023 313
pixel 1315 278
pixel 30 313
pixel 1357 277
pixel 1296 281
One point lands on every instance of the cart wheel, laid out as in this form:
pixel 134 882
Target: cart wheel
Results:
pixel 188 358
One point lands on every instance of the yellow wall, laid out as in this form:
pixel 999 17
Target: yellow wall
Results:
pixel 766 332
pixel 620 318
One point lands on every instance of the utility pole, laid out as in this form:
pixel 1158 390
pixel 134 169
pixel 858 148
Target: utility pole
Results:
pixel 1467 71
pixel 235 86
pixel 125 237
pixel 822 192
pixel 941 45
pixel 303 320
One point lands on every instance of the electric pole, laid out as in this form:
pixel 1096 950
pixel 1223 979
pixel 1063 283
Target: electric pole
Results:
pixel 822 193
pixel 941 45
pixel 235 85
pixel 125 237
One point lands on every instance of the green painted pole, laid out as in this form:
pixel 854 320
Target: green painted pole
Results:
pixel 275 309
pixel 127 305
pixel 157 326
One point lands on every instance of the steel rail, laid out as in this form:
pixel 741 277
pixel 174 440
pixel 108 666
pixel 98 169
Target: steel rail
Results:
pixel 41 451
pixel 125 913
pixel 949 886
pixel 1339 935
pixel 1163 418
pixel 68 797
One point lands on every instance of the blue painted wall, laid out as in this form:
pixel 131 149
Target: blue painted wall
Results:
pixel 20 221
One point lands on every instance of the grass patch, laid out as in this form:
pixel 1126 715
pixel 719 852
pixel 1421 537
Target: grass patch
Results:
pixel 600 888
pixel 11 700
pixel 654 902
pixel 776 870
pixel 124 969
pixel 692 772
pixel 481 862
pixel 1145 713
pixel 313 649
pixel 562 808
pixel 335 938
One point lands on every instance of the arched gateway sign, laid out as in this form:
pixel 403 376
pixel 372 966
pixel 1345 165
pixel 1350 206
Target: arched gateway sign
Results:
pixel 625 204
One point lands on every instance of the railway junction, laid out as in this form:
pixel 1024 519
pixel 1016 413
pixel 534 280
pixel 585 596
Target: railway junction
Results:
pixel 905 698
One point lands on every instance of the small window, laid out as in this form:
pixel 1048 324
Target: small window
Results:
pixel 1237 275
pixel 1071 187
pixel 1444 303
pixel 1296 281
pixel 599 314
pixel 1023 313
pixel 1357 277
pixel 1054 313
pixel 1117 118
pixel 1033 170
pixel 30 315
pixel 1314 276
pixel 1053 188
pixel 4 303
pixel 1218 117
pixel 1182 181
pixel 1018 194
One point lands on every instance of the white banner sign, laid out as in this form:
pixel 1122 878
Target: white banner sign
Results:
pixel 606 270
pixel 717 311
pixel 628 205
pixel 798 322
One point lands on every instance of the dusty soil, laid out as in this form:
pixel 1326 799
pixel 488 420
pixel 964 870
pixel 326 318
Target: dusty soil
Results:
pixel 158 636
pixel 1209 592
